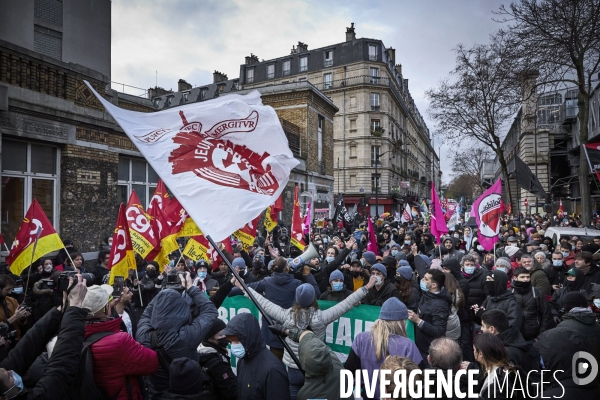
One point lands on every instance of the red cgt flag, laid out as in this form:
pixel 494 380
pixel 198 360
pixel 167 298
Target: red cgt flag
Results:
pixel 121 258
pixel 161 195
pixel 142 235
pixel 297 236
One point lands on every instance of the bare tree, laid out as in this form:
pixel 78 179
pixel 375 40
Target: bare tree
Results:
pixel 479 99
pixel 561 40
pixel 461 186
pixel 469 162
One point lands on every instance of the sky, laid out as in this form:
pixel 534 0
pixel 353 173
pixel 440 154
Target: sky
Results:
pixel 162 41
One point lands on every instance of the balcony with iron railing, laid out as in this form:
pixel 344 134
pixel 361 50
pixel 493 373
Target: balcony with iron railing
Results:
pixel 328 63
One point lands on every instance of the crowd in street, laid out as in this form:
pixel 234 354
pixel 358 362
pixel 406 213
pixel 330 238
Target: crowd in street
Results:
pixel 528 305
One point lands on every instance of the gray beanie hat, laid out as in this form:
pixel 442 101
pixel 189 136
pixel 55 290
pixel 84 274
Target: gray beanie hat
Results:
pixel 305 295
pixel 393 310
pixel 503 262
pixel 369 256
pixel 337 274
pixel 381 268
pixel 405 271
pixel 239 262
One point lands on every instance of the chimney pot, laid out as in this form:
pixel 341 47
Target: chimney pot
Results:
pixel 182 85
pixel 350 34
pixel 219 77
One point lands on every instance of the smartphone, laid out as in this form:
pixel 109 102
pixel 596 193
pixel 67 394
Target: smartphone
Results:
pixel 118 286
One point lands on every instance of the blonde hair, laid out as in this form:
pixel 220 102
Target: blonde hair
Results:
pixel 397 363
pixel 380 333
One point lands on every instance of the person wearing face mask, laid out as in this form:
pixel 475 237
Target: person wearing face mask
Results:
pixel 537 317
pixel 567 252
pixel 204 282
pixel 337 290
pixel 427 244
pixel 216 361
pixel 499 298
pixel 333 260
pixel 538 277
pixel 575 280
pixel 260 374
pixel 383 289
pixel 355 276
pixel 259 269
pixel 11 312
pixel 151 283
pixel 503 264
pixel 556 271
pixel 246 275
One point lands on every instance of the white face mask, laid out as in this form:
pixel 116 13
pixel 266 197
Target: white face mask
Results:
pixel 379 280
pixel 597 303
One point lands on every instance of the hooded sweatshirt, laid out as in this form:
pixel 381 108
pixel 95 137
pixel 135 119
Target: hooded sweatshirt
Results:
pixel 557 302
pixel 583 321
pixel 501 299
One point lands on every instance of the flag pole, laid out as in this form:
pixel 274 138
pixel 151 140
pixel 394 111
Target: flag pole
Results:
pixel 37 236
pixel 251 296
pixel 139 284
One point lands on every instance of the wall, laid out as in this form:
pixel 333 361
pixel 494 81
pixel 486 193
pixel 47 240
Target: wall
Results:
pixel 16 22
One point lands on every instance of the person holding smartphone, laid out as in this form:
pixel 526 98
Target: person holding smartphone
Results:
pixel 11 312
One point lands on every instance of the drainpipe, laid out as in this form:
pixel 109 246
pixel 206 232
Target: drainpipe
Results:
pixel 344 129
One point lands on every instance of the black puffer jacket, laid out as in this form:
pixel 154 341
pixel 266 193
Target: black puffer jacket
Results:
pixel 583 321
pixel 434 310
pixel 260 375
pixel 518 350
pixel 322 275
pixel 170 316
pixel 376 297
pixel 454 267
pixel 537 317
pixel 557 347
pixel 217 364
pixel 330 295
pixel 557 302
pixel 591 278
pixel 477 292
pixel 502 299
pixel 556 275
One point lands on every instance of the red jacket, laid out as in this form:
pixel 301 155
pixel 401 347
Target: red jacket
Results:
pixel 119 356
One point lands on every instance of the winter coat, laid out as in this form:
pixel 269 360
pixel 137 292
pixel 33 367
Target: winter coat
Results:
pixel 318 322
pixel 330 295
pixel 120 350
pixel 43 300
pixel 412 303
pixel 453 326
pixel 321 370
pixel 376 297
pixel 150 288
pixel 502 300
pixel 99 272
pixel 592 277
pixel 556 276
pixel 217 364
pixel 535 310
pixel 453 252
pixel 349 279
pixel 518 350
pixel 583 321
pixel 260 374
pixel 556 347
pixel 322 275
pixel 456 272
pixel 539 278
pixel 476 282
pixel 12 305
pixel 557 302
pixel 170 316
pixel 220 278
pixel 209 282
pixel 59 373
pixel 280 288
pixel 434 309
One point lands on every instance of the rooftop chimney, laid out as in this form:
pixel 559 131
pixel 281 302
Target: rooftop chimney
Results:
pixel 251 59
pixel 157 91
pixel 182 85
pixel 219 77
pixel 399 69
pixel 302 47
pixel 391 52
pixel 350 34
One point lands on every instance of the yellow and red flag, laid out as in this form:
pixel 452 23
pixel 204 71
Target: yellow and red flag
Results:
pixel 271 216
pixel 297 236
pixel 561 211
pixel 162 231
pixel 140 229
pixel 509 212
pixel 181 223
pixel 197 248
pixel 247 233
pixel 161 195
pixel 34 225
pixel 121 258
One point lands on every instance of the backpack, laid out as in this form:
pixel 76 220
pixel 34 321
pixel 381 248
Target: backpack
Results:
pixel 85 386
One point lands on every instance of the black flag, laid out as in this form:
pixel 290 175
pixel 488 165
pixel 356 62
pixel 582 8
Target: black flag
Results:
pixel 525 178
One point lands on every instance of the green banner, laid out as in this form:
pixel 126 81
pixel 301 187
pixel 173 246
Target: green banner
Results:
pixel 339 334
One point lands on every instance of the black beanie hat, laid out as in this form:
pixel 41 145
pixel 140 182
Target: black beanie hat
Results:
pixel 217 326
pixel 185 377
pixel 574 299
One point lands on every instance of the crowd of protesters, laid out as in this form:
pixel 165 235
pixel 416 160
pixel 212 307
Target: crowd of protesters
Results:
pixel 527 305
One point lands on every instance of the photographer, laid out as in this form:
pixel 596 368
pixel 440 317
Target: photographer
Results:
pixel 152 282
pixel 11 312
pixel 60 371
pixel 44 297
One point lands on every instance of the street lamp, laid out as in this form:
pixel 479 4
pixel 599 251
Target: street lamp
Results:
pixel 377 180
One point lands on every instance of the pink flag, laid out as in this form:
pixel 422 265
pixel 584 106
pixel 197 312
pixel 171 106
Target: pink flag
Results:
pixel 372 244
pixel 437 222
pixel 487 210
pixel 306 226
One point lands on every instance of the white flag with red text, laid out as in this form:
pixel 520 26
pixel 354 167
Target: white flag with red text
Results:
pixel 226 160
pixel 406 215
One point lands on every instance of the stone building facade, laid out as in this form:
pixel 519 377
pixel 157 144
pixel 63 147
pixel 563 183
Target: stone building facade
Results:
pixel 377 122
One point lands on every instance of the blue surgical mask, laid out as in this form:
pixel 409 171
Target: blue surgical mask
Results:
pixel 18 290
pixel 469 270
pixel 496 269
pixel 423 286
pixel 394 253
pixel 329 259
pixel 172 263
pixel 337 286
pixel 238 350
pixel 597 303
pixel 557 263
pixel 407 242
pixel 18 380
pixel 325 241
pixel 202 275
pixel 565 253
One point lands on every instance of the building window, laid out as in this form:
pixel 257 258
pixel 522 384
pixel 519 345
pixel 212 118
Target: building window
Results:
pixel 327 81
pixel 375 182
pixel 270 71
pixel 47 42
pixel 287 66
pixel 328 58
pixel 374 155
pixel 303 64
pixel 203 93
pixel 375 124
pixel 250 75
pixel 352 150
pixel 353 181
pixel 186 96
pixel 374 72
pixel 373 52
pixel 136 174
pixel 374 101
pixel 29 171
pixel 156 102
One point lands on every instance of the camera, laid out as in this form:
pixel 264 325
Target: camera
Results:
pixel 172 281
pixel 63 280
pixel 6 333
pixel 47 284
